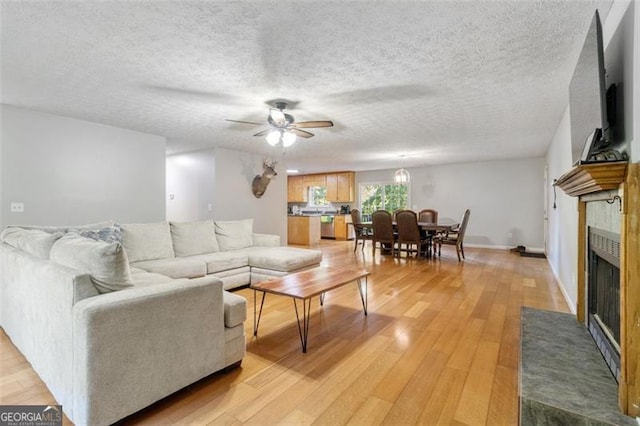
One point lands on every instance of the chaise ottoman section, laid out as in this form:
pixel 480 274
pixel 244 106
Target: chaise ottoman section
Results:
pixel 269 262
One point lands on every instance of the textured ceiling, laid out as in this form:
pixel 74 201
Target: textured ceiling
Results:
pixel 438 82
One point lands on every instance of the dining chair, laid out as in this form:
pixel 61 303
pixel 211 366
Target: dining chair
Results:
pixel 455 237
pixel 409 234
pixel 428 215
pixel 362 233
pixel 383 232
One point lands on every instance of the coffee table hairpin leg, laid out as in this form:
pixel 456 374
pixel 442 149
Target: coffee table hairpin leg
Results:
pixel 303 329
pixel 363 293
pixel 256 318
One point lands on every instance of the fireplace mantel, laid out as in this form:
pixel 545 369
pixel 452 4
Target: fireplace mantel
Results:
pixel 589 178
pixel 624 178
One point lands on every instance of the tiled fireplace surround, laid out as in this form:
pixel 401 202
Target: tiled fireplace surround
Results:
pixel 561 367
pixel 604 211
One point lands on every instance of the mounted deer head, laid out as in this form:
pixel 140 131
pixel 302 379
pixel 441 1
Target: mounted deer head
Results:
pixel 260 182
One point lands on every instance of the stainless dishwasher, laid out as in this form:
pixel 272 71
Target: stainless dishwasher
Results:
pixel 327 227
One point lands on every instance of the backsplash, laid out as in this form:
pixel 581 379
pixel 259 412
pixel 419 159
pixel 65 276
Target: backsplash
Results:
pixel 305 208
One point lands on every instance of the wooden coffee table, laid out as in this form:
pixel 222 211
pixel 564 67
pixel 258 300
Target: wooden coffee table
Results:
pixel 303 286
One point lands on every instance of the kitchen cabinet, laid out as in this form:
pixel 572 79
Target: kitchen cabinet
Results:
pixel 314 180
pixel 296 190
pixel 343 231
pixel 303 230
pixel 341 187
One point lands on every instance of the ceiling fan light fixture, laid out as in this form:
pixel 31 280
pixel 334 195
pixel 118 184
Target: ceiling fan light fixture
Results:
pixel 273 137
pixel 288 139
pixel 278 117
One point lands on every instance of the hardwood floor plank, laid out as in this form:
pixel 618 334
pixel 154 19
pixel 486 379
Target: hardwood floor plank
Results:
pixel 476 393
pixel 345 406
pixel 372 412
pixel 503 407
pixel 441 405
pixel 440 346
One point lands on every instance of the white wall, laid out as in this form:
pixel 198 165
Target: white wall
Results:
pixel 618 39
pixel 621 40
pixel 191 181
pixel 69 171
pixel 505 197
pixel 222 178
pixel 562 240
pixel 235 171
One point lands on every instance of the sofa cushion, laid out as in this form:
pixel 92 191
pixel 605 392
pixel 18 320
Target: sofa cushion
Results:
pixel 266 240
pixel 71 228
pixel 32 241
pixel 106 263
pixel 109 234
pixel 191 238
pixel 285 259
pixel 234 234
pixel 146 279
pixel 223 260
pixel 147 241
pixel 174 268
pixel 235 309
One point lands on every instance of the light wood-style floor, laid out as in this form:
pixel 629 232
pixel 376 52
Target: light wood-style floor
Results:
pixel 440 346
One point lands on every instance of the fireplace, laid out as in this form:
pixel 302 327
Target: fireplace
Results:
pixel 603 295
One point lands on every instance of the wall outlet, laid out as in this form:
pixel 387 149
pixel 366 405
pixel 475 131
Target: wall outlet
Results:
pixel 17 207
pixel 209 207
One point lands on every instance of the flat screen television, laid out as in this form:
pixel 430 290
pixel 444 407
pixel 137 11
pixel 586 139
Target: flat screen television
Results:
pixel 587 96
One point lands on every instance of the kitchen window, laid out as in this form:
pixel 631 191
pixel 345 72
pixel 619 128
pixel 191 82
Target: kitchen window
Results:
pixel 382 196
pixel 318 196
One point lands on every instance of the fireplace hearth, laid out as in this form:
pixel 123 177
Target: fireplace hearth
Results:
pixel 603 295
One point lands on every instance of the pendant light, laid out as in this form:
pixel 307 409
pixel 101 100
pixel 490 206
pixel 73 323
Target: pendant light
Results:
pixel 402 176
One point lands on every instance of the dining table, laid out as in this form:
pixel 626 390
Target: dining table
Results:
pixel 429 227
pixel 425 226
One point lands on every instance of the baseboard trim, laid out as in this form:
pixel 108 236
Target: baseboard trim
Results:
pixel 563 290
pixel 497 247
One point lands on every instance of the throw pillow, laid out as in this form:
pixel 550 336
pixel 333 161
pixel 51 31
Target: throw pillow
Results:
pixel 234 234
pixel 109 234
pixel 190 238
pixel 32 241
pixel 107 263
pixel 147 241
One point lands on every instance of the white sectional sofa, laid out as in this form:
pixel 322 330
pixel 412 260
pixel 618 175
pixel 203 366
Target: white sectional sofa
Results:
pixel 114 318
pixel 229 250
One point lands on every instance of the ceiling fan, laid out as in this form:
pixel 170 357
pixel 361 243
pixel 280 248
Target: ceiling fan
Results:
pixel 283 127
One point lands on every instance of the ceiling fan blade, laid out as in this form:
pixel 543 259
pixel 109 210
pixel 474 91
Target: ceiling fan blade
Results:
pixel 301 133
pixel 312 124
pixel 263 132
pixel 245 122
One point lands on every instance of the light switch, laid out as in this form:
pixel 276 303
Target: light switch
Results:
pixel 17 207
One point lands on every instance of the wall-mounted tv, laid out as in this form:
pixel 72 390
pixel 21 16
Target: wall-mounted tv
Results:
pixel 587 94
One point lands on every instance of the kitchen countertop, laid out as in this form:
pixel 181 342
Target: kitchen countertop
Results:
pixel 319 214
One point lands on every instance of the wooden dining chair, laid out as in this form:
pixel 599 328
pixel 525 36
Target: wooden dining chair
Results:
pixel 455 237
pixel 362 233
pixel 383 236
pixel 409 234
pixel 428 215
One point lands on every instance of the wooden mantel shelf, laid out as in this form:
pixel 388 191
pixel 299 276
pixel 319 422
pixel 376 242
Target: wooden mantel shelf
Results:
pixel 588 178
